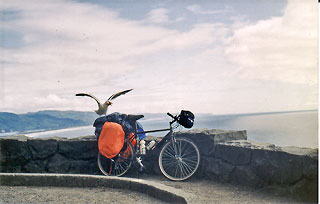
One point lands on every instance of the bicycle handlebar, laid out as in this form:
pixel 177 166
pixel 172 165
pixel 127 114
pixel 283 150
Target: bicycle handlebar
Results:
pixel 175 118
pixel 172 116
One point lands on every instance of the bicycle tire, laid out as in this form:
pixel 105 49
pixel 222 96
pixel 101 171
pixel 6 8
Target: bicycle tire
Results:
pixel 117 166
pixel 180 160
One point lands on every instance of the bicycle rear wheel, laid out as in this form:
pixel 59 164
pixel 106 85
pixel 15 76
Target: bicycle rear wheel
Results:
pixel 119 165
pixel 179 160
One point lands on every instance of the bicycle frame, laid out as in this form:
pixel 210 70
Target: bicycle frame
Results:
pixel 167 137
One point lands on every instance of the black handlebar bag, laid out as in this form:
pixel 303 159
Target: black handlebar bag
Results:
pixel 186 119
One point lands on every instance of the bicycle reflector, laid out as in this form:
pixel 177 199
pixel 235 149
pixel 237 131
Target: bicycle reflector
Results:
pixel 186 119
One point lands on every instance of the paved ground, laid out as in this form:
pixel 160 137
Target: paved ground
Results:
pixel 202 191
pixel 64 195
pixel 213 192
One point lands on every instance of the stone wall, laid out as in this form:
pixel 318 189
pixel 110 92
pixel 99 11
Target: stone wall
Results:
pixel 287 170
pixel 226 156
pixel 49 155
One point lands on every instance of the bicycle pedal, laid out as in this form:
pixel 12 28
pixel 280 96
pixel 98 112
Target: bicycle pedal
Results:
pixel 139 161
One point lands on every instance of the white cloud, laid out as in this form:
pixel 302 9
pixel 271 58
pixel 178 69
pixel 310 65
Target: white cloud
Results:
pixel 71 47
pixel 280 48
pixel 75 47
pixel 159 15
pixel 197 9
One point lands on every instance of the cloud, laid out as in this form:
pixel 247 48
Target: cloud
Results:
pixel 86 39
pixel 159 15
pixel 280 48
pixel 69 47
pixel 197 9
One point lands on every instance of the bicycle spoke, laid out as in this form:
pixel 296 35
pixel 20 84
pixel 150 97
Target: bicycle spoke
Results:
pixel 190 162
pixel 182 172
pixel 179 159
pixel 118 167
pixel 188 168
pixel 191 152
pixel 176 172
pixel 169 162
pixel 170 154
pixel 188 150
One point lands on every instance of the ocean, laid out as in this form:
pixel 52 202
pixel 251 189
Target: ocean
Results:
pixel 282 129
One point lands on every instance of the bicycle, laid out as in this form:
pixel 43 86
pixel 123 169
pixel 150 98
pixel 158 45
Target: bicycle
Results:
pixel 179 157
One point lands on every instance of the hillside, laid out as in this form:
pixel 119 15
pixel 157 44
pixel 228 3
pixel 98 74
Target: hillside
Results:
pixel 44 120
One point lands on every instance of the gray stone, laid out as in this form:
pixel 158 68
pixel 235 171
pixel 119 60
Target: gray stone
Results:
pixel 231 135
pixel 78 149
pixel 14 154
pixel 233 154
pixel 309 159
pixel 276 167
pixel 245 176
pixel 217 169
pixel 42 148
pixel 306 190
pixel 251 145
pixel 36 166
pixel 205 139
pixel 310 167
pixel 83 166
pixel 301 151
pixel 58 164
pixel 214 135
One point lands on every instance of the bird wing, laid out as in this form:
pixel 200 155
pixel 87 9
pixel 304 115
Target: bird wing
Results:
pixel 91 96
pixel 119 94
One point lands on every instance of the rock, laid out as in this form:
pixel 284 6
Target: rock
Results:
pixel 245 176
pixel 270 163
pixel 309 159
pixel 276 167
pixel 58 164
pixel 217 169
pixel 205 139
pixel 301 151
pixel 235 155
pixel 42 148
pixel 14 154
pixel 83 166
pixel 310 168
pixel 79 148
pixel 36 166
pixel 306 190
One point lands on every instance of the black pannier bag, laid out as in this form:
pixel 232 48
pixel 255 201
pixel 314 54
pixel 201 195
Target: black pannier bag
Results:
pixel 127 125
pixel 186 119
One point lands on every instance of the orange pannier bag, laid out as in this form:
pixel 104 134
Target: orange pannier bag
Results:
pixel 111 139
pixel 127 152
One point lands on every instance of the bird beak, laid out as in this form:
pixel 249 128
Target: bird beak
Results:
pixel 109 103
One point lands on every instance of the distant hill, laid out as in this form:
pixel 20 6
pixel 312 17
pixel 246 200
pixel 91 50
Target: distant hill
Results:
pixel 44 120
pixel 53 119
pixel 87 117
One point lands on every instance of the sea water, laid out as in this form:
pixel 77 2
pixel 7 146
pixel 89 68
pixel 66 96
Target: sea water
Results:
pixel 282 129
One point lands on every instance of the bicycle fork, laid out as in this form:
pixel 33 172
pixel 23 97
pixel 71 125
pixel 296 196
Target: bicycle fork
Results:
pixel 174 144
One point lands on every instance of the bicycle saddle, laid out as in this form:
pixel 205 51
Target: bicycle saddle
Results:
pixel 135 117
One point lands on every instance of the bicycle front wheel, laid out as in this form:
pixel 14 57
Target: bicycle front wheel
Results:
pixel 119 165
pixel 179 160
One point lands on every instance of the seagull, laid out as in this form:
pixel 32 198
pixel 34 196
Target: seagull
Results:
pixel 102 108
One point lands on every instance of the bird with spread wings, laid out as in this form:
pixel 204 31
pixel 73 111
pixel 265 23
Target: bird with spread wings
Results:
pixel 102 108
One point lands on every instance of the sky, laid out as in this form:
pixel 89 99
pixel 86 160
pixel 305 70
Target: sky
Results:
pixel 219 57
